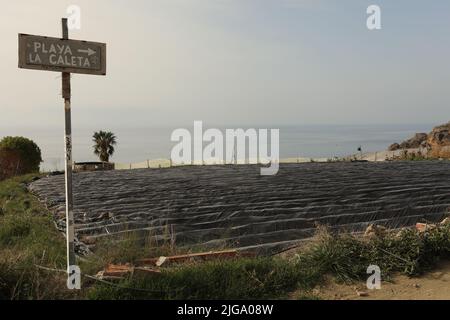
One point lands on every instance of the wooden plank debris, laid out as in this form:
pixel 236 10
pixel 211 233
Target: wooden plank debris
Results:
pixel 119 271
pixel 147 266
pixel 202 256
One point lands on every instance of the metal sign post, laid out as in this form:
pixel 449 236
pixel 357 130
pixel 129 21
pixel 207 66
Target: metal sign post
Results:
pixel 65 56
pixel 70 230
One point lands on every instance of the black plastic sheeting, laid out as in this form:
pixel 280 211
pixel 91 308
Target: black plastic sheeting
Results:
pixel 216 206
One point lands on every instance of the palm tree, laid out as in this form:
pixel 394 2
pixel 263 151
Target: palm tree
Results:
pixel 104 144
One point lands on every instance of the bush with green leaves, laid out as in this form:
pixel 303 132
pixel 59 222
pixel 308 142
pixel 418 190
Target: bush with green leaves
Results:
pixel 18 155
pixel 346 256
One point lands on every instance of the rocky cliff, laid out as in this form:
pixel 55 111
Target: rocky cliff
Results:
pixel 437 139
pixel 440 136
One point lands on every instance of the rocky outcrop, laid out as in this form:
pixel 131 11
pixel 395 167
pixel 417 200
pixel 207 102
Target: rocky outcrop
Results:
pixel 439 137
pixel 419 140
pixel 394 147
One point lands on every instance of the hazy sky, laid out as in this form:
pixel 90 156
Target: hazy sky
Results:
pixel 256 62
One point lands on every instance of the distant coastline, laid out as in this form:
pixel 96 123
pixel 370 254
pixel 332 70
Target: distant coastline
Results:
pixel 432 145
pixel 137 145
pixel 303 142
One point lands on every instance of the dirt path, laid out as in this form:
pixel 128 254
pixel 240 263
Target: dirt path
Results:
pixel 434 285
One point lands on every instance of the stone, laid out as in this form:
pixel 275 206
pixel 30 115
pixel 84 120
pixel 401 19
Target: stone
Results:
pixel 375 231
pixel 415 142
pixel 422 227
pixel 362 293
pixel 439 142
pixel 439 136
pixel 89 240
pixel 394 147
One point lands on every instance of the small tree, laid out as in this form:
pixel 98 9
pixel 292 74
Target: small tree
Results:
pixel 9 164
pixel 18 155
pixel 104 145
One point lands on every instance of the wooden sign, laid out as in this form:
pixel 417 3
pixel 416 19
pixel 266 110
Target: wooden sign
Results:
pixel 54 54
pixel 65 56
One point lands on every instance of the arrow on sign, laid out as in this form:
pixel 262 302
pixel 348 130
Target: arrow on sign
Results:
pixel 88 51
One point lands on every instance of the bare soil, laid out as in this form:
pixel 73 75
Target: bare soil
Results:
pixel 434 285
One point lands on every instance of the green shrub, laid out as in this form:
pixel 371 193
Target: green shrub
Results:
pixel 18 155
pixel 347 257
pixel 340 255
pixel 259 278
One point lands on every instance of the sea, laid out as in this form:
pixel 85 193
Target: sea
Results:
pixel 136 144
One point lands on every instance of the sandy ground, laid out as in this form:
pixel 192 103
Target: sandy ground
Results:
pixel 434 285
